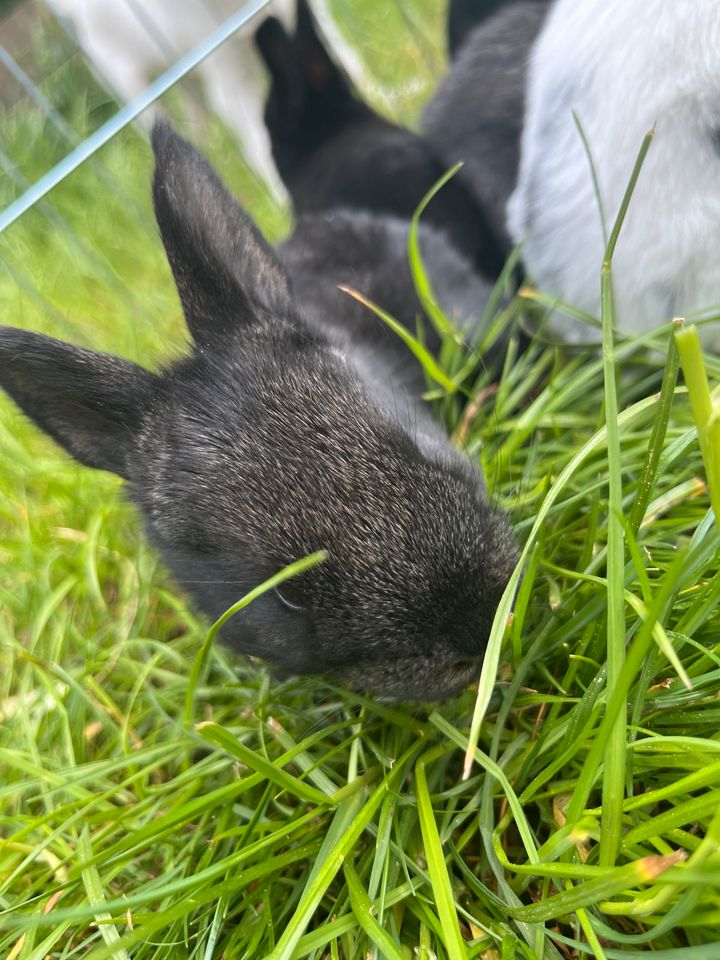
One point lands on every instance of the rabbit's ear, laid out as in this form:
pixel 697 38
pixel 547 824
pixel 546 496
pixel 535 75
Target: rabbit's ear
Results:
pixel 321 73
pixel 304 75
pixel 277 50
pixel 226 274
pixel 90 403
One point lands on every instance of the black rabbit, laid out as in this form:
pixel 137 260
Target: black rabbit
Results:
pixel 331 149
pixel 295 424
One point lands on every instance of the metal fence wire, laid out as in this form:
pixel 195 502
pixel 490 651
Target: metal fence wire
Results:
pixel 62 103
pixel 89 146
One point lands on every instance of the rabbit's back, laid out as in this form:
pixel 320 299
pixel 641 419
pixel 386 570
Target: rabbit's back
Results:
pixel 368 253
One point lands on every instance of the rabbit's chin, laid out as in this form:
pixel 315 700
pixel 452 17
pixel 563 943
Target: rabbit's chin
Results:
pixel 419 678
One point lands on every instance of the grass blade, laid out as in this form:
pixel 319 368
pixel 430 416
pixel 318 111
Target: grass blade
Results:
pixel 201 657
pixel 706 412
pixel 268 771
pixel 96 896
pixel 437 868
pixel 363 910
pixel 351 817
pixel 593 891
pixel 494 646
pixel 614 776
pixel 429 363
pixel 423 287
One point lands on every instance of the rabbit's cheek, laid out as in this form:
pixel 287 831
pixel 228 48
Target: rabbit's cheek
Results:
pixel 267 630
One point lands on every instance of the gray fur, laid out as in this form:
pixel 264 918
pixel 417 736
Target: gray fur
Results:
pixel 294 425
pixel 476 114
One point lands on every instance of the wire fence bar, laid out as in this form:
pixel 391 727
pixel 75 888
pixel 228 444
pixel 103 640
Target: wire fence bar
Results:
pixel 127 114
pixel 57 220
pixel 36 94
pixel 62 126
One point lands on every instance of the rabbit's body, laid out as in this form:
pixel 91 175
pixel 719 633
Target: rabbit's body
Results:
pixel 332 150
pixel 476 114
pixel 368 252
pixel 293 426
pixel 624 67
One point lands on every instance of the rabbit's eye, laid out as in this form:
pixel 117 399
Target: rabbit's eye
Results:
pixel 291 595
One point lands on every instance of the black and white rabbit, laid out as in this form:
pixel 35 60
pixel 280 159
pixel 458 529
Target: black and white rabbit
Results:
pixel 295 424
pixel 332 149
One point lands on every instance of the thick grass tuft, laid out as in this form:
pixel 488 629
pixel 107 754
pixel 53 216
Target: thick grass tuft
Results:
pixel 163 799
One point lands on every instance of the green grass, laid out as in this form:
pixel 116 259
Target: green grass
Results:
pixel 159 803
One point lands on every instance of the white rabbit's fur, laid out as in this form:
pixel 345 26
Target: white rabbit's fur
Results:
pixel 130 43
pixel 624 66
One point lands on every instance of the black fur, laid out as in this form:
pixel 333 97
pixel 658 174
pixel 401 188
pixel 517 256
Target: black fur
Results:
pixel 477 112
pixel 223 269
pixel 293 425
pixel 93 404
pixel 332 150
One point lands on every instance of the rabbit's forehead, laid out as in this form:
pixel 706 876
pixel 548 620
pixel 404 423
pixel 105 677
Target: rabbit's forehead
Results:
pixel 364 507
pixel 265 474
pixel 335 452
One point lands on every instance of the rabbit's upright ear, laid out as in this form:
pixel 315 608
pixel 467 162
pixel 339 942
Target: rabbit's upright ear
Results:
pixel 278 51
pixel 225 272
pixel 309 92
pixel 321 73
pixel 92 404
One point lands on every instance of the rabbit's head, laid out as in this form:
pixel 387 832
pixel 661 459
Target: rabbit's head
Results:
pixel 264 445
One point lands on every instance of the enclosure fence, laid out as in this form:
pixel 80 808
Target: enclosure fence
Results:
pixel 125 115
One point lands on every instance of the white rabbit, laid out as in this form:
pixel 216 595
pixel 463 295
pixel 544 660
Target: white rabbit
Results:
pixel 624 67
pixel 130 43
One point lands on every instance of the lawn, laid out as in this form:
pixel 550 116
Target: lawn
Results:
pixel 154 804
